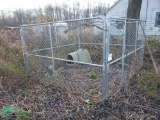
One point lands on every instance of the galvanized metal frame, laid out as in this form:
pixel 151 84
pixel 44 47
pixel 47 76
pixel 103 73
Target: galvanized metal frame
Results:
pixel 106 49
pixel 105 62
pixel 123 58
pixel 24 54
pixel 79 40
pixel 51 45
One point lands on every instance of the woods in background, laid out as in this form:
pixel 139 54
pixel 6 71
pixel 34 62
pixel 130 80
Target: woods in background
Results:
pixel 49 13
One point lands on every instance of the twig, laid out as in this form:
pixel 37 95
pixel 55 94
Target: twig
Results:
pixel 1 86
pixel 113 115
pixel 140 106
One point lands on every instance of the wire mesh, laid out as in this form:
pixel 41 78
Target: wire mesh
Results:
pixel 46 48
pixel 115 48
pixel 127 49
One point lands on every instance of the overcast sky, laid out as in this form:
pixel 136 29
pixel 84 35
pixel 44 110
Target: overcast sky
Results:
pixel 31 4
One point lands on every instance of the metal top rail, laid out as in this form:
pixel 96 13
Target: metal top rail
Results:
pixel 72 20
pixel 126 19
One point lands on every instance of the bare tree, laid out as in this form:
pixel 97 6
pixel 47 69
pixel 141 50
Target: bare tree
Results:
pixel 100 9
pixel 19 16
pixel 65 12
pixel 76 10
pixel 87 11
pixel 49 12
pixel 28 16
pixel 2 19
pixel 40 15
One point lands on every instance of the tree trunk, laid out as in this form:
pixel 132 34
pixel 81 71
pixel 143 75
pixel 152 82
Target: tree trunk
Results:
pixel 133 12
pixel 134 8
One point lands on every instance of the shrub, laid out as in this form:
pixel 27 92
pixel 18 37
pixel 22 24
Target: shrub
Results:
pixel 11 60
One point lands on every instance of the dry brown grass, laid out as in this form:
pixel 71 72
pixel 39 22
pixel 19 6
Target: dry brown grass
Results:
pixel 71 94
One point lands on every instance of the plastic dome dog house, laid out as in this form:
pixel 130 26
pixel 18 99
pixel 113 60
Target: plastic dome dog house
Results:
pixel 81 55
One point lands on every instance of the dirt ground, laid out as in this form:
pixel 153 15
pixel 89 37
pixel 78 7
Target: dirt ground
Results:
pixel 75 96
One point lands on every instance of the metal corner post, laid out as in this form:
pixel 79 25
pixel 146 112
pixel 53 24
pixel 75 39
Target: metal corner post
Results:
pixel 24 53
pixel 79 40
pixel 123 56
pixel 105 78
pixel 136 37
pixel 57 40
pixel 143 44
pixel 51 45
pixel 135 48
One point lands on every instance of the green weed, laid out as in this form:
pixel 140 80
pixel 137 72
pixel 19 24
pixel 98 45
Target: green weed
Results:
pixel 93 75
pixel 14 113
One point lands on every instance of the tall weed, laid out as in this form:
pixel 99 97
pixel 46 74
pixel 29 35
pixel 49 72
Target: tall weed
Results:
pixel 11 60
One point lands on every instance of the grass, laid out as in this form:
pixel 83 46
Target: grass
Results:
pixel 153 44
pixel 150 83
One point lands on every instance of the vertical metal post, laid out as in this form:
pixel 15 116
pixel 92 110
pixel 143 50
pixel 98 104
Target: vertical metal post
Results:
pixel 105 77
pixel 67 33
pixel 55 31
pixel 79 42
pixel 135 47
pixel 57 42
pixel 24 52
pixel 123 55
pixel 143 44
pixel 51 45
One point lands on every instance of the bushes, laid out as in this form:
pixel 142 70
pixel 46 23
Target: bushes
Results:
pixel 11 60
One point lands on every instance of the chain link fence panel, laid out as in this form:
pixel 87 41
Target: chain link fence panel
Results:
pixel 57 52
